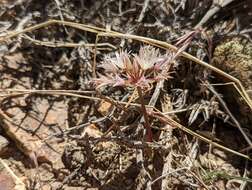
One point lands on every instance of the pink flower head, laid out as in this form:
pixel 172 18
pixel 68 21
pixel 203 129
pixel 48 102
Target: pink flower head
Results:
pixel 109 80
pixel 113 64
pixel 147 57
pixel 137 70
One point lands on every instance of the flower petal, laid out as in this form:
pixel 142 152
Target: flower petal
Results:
pixel 119 81
pixel 147 57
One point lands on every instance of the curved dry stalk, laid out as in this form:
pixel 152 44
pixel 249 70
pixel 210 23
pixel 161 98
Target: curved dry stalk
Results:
pixel 9 90
pixel 165 45
pixel 171 122
pixel 69 44
pixel 212 11
pixel 70 93
pixel 210 87
pixel 18 182
pixel 102 32
pixel 157 114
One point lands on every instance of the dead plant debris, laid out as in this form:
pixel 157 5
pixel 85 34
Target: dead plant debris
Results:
pixel 122 94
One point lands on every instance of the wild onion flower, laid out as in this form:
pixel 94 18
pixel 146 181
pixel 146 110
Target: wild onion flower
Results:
pixel 137 70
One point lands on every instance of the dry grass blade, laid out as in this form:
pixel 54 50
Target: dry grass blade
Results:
pixel 173 123
pixel 102 32
pixel 70 93
pixel 212 11
pixel 68 44
pixel 159 115
pixel 19 184
pixel 210 87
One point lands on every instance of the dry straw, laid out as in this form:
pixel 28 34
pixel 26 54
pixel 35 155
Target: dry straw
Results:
pixel 101 32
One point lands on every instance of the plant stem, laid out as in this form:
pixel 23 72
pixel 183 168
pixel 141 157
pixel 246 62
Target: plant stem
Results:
pixel 145 114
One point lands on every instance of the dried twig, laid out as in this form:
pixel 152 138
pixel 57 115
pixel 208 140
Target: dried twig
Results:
pixel 156 113
pixel 171 122
pixel 212 11
pixel 141 16
pixel 100 46
pixel 19 184
pixel 102 32
pixel 210 87
pixel 166 169
pixel 168 173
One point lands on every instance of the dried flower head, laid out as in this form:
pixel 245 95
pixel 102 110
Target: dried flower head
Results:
pixel 140 69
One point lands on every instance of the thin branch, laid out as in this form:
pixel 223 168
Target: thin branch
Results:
pixel 19 184
pixel 171 122
pixel 168 173
pixel 212 11
pixel 145 114
pixel 145 6
pixel 156 43
pixel 210 87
